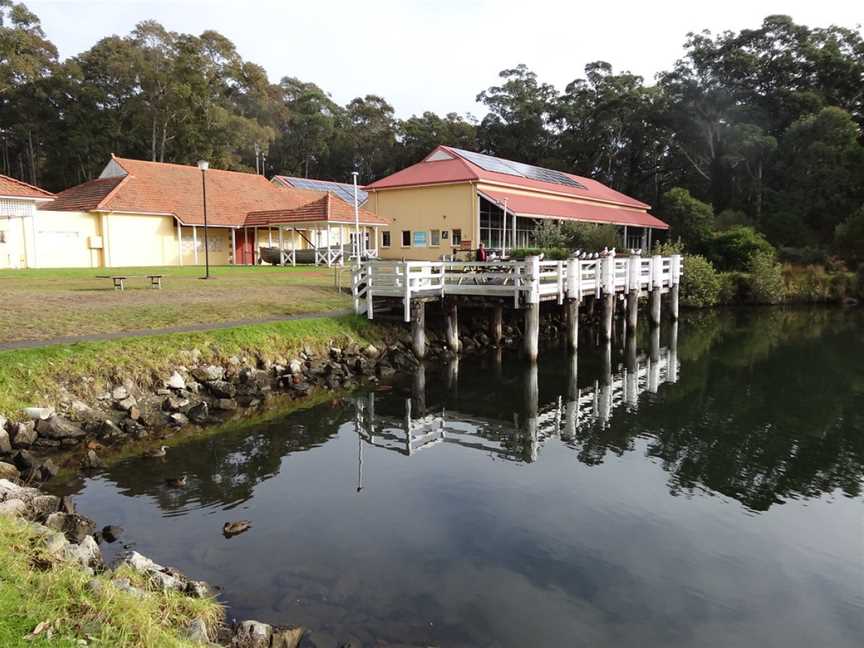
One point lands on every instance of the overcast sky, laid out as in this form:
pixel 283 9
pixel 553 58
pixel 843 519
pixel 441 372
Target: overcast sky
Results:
pixel 434 55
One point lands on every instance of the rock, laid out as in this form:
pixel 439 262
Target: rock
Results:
pixel 111 533
pixel 199 589
pixel 110 430
pixel 371 352
pixel 176 381
pixel 177 419
pixel 5 441
pixel 225 404
pixel 295 367
pixel 127 403
pixel 119 393
pixel 13 508
pixel 23 460
pixel 134 429
pixel 200 413
pixel 286 637
pixel 38 413
pixel 141 564
pixel 8 471
pixel 222 388
pixel 91 461
pixel 254 634
pixel 75 527
pixel 301 387
pixel 124 585
pixel 81 408
pixel 3 422
pixel 208 373
pixel 173 403
pixel 54 543
pixel 49 469
pixel 23 434
pixel 157 574
pixel 42 506
pixel 66 505
pixel 56 427
pixel 196 632
pixel 86 552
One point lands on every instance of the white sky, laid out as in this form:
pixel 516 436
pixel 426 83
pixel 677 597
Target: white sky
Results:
pixel 434 55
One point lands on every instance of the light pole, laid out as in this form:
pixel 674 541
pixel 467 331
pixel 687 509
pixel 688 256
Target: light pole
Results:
pixel 204 165
pixel 356 219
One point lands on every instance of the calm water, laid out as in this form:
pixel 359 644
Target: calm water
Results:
pixel 698 491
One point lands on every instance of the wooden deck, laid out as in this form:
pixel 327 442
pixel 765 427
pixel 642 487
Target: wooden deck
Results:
pixel 519 282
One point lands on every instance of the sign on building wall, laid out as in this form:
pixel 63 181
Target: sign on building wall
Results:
pixel 420 239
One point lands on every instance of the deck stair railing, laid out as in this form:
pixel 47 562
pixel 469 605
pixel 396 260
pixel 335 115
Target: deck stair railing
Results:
pixel 525 282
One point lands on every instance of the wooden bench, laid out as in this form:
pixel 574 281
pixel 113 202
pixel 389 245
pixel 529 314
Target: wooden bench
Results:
pixel 120 280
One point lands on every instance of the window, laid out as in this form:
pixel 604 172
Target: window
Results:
pixel 406 238
pixel 420 239
pixel 385 239
pixel 457 236
pixel 493 229
pixel 444 235
pixel 435 238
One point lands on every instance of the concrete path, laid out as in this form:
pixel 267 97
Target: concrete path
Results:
pixel 191 328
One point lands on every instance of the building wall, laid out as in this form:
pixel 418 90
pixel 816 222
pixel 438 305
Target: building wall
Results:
pixel 139 240
pixel 66 240
pixel 420 210
pixel 219 243
pixel 16 238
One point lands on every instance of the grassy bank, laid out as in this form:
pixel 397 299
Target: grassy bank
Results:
pixel 45 303
pixel 39 376
pixel 37 593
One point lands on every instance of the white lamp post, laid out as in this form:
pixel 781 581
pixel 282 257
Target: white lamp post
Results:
pixel 356 219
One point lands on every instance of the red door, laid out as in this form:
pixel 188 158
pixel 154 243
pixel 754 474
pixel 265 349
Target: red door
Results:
pixel 244 247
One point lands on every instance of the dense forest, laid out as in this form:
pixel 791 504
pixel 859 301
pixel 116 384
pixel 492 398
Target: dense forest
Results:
pixel 758 129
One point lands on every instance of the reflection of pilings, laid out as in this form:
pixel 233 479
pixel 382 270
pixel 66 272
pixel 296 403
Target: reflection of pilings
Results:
pixel 631 373
pixel 418 391
pixel 451 316
pixel 496 325
pixel 655 307
pixel 604 396
pixel 571 420
pixel 532 331
pixel 418 327
pixel 608 311
pixel 654 361
pixel 499 363
pixel 572 324
pixel 531 395
pixel 673 301
pixel 453 376
pixel 672 368
pixel 632 309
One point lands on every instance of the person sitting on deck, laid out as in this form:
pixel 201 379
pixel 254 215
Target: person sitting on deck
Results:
pixel 481 253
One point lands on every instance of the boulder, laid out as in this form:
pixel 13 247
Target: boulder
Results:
pixel 200 413
pixel 124 585
pixel 119 393
pixel 371 352
pixel 23 434
pixel 110 430
pixel 24 460
pixel 222 389
pixel 86 552
pixel 286 637
pixel 176 381
pixel 41 506
pixel 208 373
pixel 91 461
pixel 253 634
pixel 111 533
pixel 196 632
pixel 5 441
pixel 225 404
pixel 38 413
pixel 126 404
pixel 8 471
pixel 174 403
pixel 81 409
pixel 295 367
pixel 56 427
pixel 199 589
pixel 178 420
pixel 75 527
pixel 13 508
pixel 157 574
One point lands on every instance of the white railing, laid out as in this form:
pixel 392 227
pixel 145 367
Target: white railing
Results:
pixel 525 282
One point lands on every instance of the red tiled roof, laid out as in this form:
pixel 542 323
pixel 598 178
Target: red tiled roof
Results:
pixel 83 197
pixel 540 207
pixel 459 169
pixel 326 209
pixel 12 188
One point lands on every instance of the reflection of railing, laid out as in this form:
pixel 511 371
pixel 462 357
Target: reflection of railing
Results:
pixel 529 281
pixel 562 418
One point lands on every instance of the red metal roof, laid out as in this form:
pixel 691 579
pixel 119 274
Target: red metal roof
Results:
pixel 12 188
pixel 326 209
pixel 459 169
pixel 541 207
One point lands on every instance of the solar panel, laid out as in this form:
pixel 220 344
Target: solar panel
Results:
pixel 519 169
pixel 341 190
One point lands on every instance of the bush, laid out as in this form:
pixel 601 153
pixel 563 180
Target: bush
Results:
pixel 700 283
pixel 690 219
pixel 860 281
pixel 549 254
pixel 766 279
pixel 731 249
pixel 802 255
pixel 849 237
pixel 733 287
pixel 584 236
pixel 668 248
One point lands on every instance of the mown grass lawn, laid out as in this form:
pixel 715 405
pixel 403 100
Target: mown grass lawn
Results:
pixel 46 303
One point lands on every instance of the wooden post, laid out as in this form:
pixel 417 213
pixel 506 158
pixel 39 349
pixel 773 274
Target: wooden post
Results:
pixel 496 329
pixel 418 328
pixel 608 310
pixel 532 309
pixel 195 243
pixel 632 310
pixel 418 391
pixel 281 247
pixel 453 377
pixel 655 307
pixel 656 285
pixel 451 316
pixel 233 247
pixel 180 243
pixel 532 331
pixel 572 324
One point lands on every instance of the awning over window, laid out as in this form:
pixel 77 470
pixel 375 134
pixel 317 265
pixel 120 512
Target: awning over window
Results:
pixel 541 207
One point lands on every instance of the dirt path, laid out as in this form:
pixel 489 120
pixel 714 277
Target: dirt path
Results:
pixel 192 328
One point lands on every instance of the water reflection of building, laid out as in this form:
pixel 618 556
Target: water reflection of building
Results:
pixel 421 427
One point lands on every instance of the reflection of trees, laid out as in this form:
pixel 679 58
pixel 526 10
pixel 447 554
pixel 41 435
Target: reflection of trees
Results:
pixel 765 414
pixel 225 468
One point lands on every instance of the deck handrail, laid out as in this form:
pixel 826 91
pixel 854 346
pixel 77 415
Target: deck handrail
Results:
pixel 526 282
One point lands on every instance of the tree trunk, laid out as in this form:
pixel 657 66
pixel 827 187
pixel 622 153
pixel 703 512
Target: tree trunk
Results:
pixel 33 178
pixel 153 140
pixel 164 141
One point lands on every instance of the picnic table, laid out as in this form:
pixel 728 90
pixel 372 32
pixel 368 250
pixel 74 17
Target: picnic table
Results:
pixel 120 280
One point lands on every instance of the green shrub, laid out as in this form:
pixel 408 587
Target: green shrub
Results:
pixel 732 248
pixel 668 248
pixel 802 255
pixel 766 279
pixel 700 283
pixel 590 236
pixel 733 287
pixel 690 219
pixel 549 254
pixel 549 234
pixel 849 237
pixel 860 281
